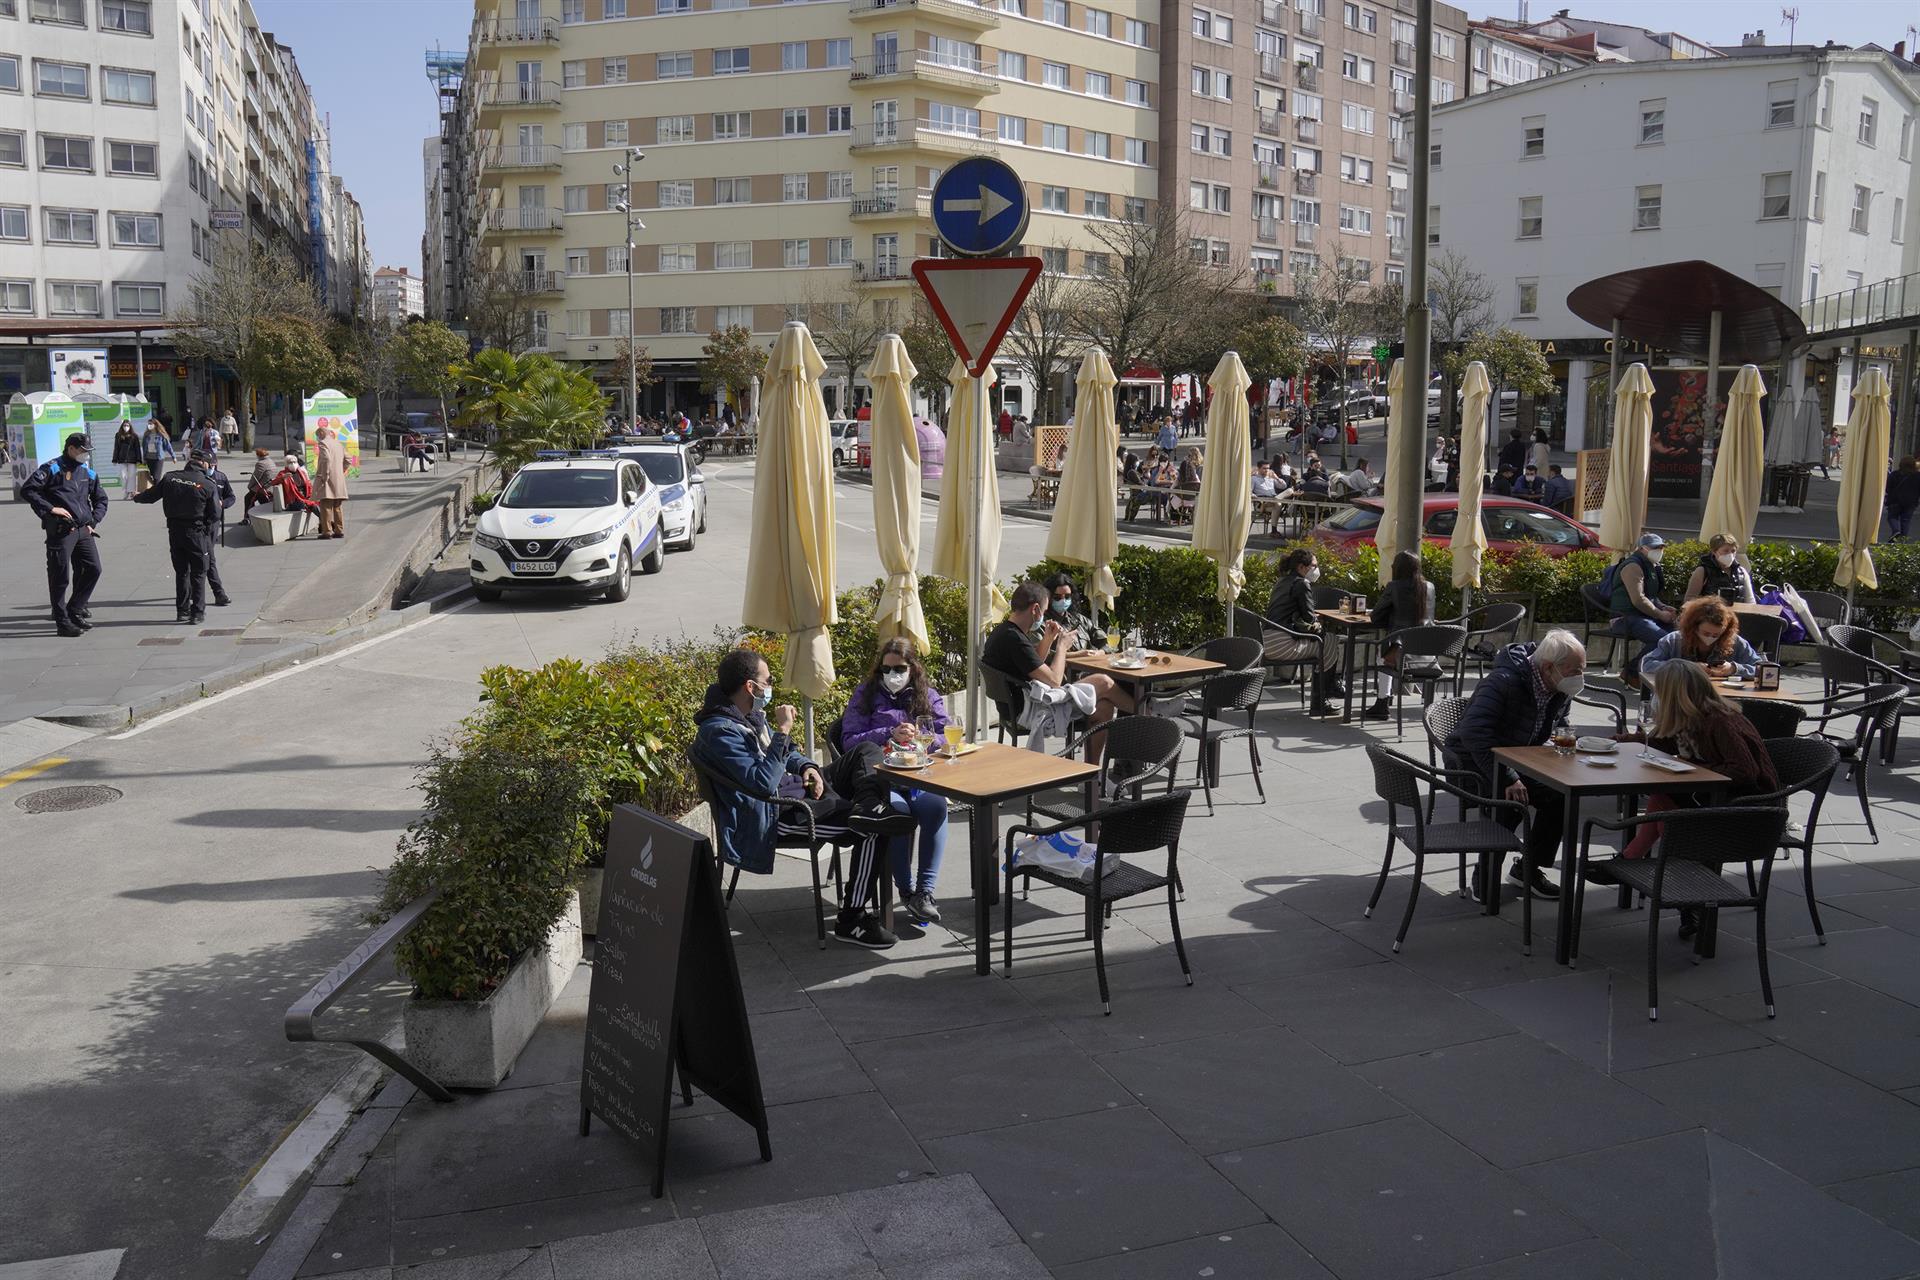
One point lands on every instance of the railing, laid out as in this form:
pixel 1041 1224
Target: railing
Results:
pixel 1402 54
pixel 1396 246
pixel 1306 130
pixel 515 219
pixel 880 268
pixel 1305 233
pixel 538 281
pixel 1270 120
pixel 967 11
pixel 1273 66
pixel 1400 150
pixel 1305 74
pixel 1266 281
pixel 1273 13
pixel 1306 182
pixel 545 155
pixel 1311 24
pixel 521 93
pixel 1397 199
pixel 517 31
pixel 868 204
pixel 910 61
pixel 1267 174
pixel 1402 102
pixel 1266 230
pixel 1884 302
pixel 918 133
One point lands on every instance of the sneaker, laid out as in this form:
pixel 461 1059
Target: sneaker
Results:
pixel 921 908
pixel 68 629
pixel 881 820
pixel 1533 879
pixel 222 601
pixel 1378 709
pixel 181 619
pixel 863 930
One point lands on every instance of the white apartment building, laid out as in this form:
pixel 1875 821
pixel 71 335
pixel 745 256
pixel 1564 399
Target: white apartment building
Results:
pixel 1793 172
pixel 397 294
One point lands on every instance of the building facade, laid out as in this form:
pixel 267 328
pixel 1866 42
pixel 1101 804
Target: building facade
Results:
pixel 397 294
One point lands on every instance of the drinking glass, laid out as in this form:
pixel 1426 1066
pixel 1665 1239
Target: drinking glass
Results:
pixel 1563 737
pixel 923 732
pixel 956 734
pixel 1648 710
pixel 1113 639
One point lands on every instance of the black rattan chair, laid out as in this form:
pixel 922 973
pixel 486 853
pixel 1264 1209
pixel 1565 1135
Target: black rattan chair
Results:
pixel 1327 596
pixel 1802 765
pixel 1219 696
pixel 1608 699
pixel 1763 633
pixel 1490 628
pixel 1397 779
pixel 799 833
pixel 1133 828
pixel 1684 870
pixel 1008 703
pixel 1302 670
pixel 1597 612
pixel 1234 652
pixel 1827 607
pixel 1875 711
pixel 1772 719
pixel 1440 719
pixel 1427 655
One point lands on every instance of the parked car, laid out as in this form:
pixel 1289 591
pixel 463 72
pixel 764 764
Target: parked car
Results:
pixel 1510 524
pixel 573 523
pixel 683 489
pixel 845 434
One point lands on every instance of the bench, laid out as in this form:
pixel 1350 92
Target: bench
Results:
pixel 277 524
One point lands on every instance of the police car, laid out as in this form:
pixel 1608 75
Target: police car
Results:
pixel 683 490
pixel 575 522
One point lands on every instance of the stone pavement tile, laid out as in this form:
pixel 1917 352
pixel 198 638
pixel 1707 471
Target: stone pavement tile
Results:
pixel 1376 1011
pixel 552 1057
pixel 1450 1089
pixel 360 1232
pixel 802 1059
pixel 1897 907
pixel 1259 1252
pixel 1893 1198
pixel 509 1264
pixel 1264 1084
pixel 805 1240
pixel 1089 1185
pixel 1732 971
pixel 912 999
pixel 1860 1031
pixel 1694 1204
pixel 1152 1004
pixel 820 1147
pixel 926 1219
pixel 674 1248
pixel 1863 869
pixel 1789 926
pixel 1049 934
pixel 1581 1260
pixel 1006 1262
pixel 1342 899
pixel 366 1273
pixel 1394 1200
pixel 949 1082
pixel 523 1226
pixel 1600 1018
pixel 1285 944
pixel 1810 1119
pixel 765 980
pixel 1879 958
pixel 366 1132
pixel 1461 952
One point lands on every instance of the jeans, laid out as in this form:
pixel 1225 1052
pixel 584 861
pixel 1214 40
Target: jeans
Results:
pixel 1638 626
pixel 930 811
pixel 1900 521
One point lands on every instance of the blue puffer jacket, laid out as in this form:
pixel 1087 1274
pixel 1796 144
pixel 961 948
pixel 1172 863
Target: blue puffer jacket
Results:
pixel 742 749
pixel 1504 712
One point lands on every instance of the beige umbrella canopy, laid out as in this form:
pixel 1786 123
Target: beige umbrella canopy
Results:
pixel 954 556
pixel 790 560
pixel 1084 530
pixel 1863 483
pixel 1469 538
pixel 1224 513
pixel 1623 515
pixel 1733 502
pixel 1386 535
pixel 896 493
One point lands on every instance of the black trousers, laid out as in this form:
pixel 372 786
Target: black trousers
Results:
pixel 1549 811
pixel 213 562
pixel 73 559
pixel 188 544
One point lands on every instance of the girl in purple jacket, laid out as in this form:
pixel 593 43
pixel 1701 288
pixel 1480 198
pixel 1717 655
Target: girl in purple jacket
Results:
pixel 896 694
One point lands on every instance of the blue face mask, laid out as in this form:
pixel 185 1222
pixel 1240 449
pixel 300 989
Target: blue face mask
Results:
pixel 1061 606
pixel 763 699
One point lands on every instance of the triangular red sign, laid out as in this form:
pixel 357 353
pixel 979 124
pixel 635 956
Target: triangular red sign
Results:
pixel 975 301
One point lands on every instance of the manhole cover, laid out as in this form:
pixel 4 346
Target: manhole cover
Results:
pixel 67 799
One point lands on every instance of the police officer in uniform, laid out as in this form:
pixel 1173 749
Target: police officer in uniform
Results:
pixel 65 493
pixel 191 505
pixel 223 489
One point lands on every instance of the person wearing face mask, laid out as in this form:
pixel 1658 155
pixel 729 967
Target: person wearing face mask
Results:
pixel 1062 607
pixel 1709 636
pixel 1040 668
pixel 1291 606
pixel 1720 574
pixel 1639 610
pixel 1528 689
pixel 885 709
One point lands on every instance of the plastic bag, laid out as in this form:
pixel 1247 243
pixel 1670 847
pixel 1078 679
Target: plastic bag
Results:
pixel 1792 632
pixel 1064 854
pixel 1799 611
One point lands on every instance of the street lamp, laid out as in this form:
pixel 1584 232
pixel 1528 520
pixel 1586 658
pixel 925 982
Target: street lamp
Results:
pixel 625 206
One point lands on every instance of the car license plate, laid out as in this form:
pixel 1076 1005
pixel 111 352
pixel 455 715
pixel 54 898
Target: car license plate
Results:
pixel 534 566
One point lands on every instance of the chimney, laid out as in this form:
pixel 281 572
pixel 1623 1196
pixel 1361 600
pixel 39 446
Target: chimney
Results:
pixel 1899 48
pixel 1754 39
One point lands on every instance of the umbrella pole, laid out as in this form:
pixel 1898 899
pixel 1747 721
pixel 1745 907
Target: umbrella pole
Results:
pixel 1613 382
pixel 806 707
pixel 1712 424
pixel 975 591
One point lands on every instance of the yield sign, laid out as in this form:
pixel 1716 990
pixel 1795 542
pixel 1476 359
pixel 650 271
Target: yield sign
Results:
pixel 975 301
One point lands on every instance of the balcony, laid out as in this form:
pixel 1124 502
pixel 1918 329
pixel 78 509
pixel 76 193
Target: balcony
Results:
pixel 1305 74
pixel 538 282
pixel 1306 130
pixel 959 12
pixel 1312 25
pixel 1268 174
pixel 1266 230
pixel 891 203
pixel 1402 102
pixel 1272 66
pixel 517 33
pixel 1397 199
pixel 497 162
pixel 1271 120
pixel 954 71
pixel 1400 149
pixel 1273 13
pixel 881 270
pixel 1306 182
pixel 1266 281
pixel 922 135
pixel 1397 247
pixel 1305 233
pixel 533 221
pixel 1402 54
pixel 518 95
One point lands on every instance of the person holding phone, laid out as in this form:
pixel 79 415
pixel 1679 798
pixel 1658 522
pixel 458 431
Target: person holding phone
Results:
pixel 891 708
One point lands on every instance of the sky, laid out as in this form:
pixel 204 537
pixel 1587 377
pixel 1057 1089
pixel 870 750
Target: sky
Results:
pixel 365 60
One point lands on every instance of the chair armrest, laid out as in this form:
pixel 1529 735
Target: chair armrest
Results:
pixel 1084 820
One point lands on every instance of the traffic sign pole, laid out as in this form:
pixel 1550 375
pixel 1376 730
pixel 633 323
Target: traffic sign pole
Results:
pixel 976 593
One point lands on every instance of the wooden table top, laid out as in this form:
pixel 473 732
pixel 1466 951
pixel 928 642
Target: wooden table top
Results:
pixel 994 771
pixel 1174 665
pixel 1341 618
pixel 1628 775
pixel 1747 692
pixel 1764 610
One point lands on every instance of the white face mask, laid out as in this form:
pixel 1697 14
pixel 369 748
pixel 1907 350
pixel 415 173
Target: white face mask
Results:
pixel 1726 560
pixel 1313 574
pixel 1571 685
pixel 895 681
pixel 1655 557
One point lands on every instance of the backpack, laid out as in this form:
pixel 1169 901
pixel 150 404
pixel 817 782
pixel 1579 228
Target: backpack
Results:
pixel 1611 579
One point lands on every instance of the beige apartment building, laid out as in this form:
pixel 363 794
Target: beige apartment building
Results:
pixel 789 149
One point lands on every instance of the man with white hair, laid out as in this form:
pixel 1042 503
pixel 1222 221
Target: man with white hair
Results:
pixel 1516 706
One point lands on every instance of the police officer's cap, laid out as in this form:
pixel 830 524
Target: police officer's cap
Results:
pixel 201 455
pixel 79 440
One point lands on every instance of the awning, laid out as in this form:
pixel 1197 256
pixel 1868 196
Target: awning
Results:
pixel 1670 308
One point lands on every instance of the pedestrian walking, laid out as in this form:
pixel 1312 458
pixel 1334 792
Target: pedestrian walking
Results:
pixel 230 429
pixel 209 438
pixel 65 493
pixel 217 536
pixel 330 482
pixel 1903 495
pixel 156 448
pixel 191 504
pixel 126 456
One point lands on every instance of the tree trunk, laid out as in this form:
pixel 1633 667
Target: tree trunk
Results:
pixel 380 421
pixel 446 428
pixel 246 415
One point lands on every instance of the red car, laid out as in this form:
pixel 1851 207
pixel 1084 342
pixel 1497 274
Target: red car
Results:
pixel 1510 523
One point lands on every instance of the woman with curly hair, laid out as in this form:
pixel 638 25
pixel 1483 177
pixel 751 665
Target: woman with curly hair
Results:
pixel 1707 633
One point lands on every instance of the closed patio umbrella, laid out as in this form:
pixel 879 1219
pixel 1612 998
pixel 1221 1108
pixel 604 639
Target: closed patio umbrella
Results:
pixel 1386 535
pixel 790 559
pixel 1783 446
pixel 1084 531
pixel 1224 513
pixel 966 537
pixel 1469 538
pixel 1863 484
pixel 1623 515
pixel 1733 502
pixel 896 494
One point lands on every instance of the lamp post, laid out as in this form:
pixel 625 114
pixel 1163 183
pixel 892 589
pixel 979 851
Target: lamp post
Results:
pixel 634 156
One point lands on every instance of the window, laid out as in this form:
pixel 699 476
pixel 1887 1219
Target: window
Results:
pixel 839 184
pixel 839 250
pixel 614 9
pixel 615 194
pixel 1433 150
pixel 1445 46
pixel 1210 82
pixel 731 62
pixel 133 16
pixel 673 129
pixel 136 231
pixel 578 264
pixel 614 133
pixel 1782 98
pixel 733 255
pixel 73 13
pixel 1533 137
pixel 1532 216
pixel 1359 19
pixel 1309 106
pixel 676 319
pixel 796 253
pixel 1899 220
pixel 1646 209
pixel 1136 33
pixel 1053 199
pixel 1099 84
pixel 575 11
pixel 793 121
pixel 676 257
pixel 135 88
pixel 733 124
pixel 135 159
pixel 733 190
pixel 1134 209
pixel 60 79
pixel 793 55
pixel 840 53
pixel 793 186
pixel 72 298
pixel 1906 137
pixel 572 199
pixel 573 73
pixel 1820 196
pixel 1776 193
pixel 57 151
pixel 1213 26
pixel 1054 11
pixel 139 300
pixel 733 317
pixel 1356 219
pixel 13 222
pixel 1869 121
pixel 1013 66
pixel 1355 117
pixel 1135 151
pixel 1653 121
pixel 1826 104
pixel 1099 144
pixel 1433 224
pixel 1053 260
pixel 676 195
pixel 1053 75
pixel 573 137
pixel 1095 204
pixel 1099 22
pixel 1356 169
pixel 1354 67
pixel 1527 299
pixel 613 70
pixel 1137 93
pixel 10 74
pixel 16 297
pixel 1053 136
pixel 1013 129
pixel 1862 202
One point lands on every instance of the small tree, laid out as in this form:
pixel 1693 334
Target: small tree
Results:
pixel 426 354
pixel 1137 309
pixel 733 360
pixel 291 355
pixel 611 375
pixel 553 408
pixel 226 310
pixel 1044 338
pixel 485 380
pixel 1461 302
pixel 1513 360
pixel 846 328
pixel 376 347
pixel 500 310
pixel 932 354
pixel 1339 308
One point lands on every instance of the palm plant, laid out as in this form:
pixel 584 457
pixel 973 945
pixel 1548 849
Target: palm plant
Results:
pixel 552 408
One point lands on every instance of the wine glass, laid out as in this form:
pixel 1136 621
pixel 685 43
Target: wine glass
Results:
pixel 1113 638
pixel 1649 709
pixel 956 733
pixel 923 733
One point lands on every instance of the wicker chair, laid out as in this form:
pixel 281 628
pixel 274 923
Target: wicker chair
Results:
pixel 1876 710
pixel 1008 703
pixel 1773 719
pixel 1763 633
pixel 1428 655
pixel 1219 696
pixel 1827 607
pixel 1301 670
pixel 803 836
pixel 1596 611
pixel 1802 765
pixel 1234 652
pixel 1490 628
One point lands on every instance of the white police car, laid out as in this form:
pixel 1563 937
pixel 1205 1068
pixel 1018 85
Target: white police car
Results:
pixel 570 522
pixel 683 490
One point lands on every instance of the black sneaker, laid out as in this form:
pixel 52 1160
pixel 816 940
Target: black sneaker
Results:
pixel 222 601
pixel 1534 879
pixel 1378 709
pixel 863 930
pixel 181 619
pixel 881 820
pixel 68 629
pixel 921 908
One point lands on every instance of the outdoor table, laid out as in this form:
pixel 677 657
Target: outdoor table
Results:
pixel 1350 625
pixel 1159 669
pixel 1746 692
pixel 1760 610
pixel 1576 780
pixel 991 773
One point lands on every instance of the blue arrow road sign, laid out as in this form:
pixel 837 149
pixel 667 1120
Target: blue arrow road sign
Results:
pixel 979 207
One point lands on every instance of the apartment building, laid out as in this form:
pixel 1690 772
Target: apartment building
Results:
pixel 122 134
pixel 1499 56
pixel 789 150
pixel 1288 125
pixel 397 294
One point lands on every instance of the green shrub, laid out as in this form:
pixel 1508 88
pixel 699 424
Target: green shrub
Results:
pixel 483 502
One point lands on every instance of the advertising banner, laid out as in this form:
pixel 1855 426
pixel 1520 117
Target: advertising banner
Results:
pixel 339 413
pixel 103 418
pixel 1680 429
pixel 78 370
pixel 37 428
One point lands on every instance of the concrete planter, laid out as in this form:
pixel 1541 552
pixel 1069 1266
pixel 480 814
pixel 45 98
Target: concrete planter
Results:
pixel 586 881
pixel 467 1044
